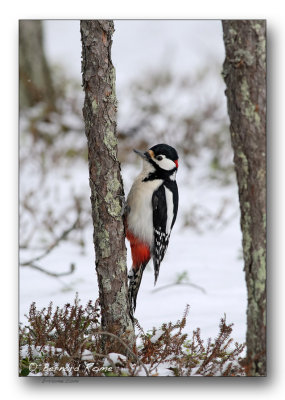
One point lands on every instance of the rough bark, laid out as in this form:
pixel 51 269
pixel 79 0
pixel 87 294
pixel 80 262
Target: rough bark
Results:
pixel 35 77
pixel 99 112
pixel 245 77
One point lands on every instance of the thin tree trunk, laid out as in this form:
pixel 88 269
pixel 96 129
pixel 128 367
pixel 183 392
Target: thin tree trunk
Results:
pixel 99 112
pixel 245 76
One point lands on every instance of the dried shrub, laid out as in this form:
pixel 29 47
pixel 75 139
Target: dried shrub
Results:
pixel 191 357
pixel 67 342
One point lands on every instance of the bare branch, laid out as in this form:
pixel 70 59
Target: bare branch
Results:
pixel 180 283
pixel 109 359
pixel 52 246
pixel 54 274
pixel 126 346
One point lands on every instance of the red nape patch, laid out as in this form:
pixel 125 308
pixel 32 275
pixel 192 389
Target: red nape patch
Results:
pixel 176 163
pixel 140 250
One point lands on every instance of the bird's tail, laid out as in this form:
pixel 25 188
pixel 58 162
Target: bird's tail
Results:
pixel 135 277
pixel 156 270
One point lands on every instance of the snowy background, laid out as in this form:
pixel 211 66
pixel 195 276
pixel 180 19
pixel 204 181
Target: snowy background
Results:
pixel 208 253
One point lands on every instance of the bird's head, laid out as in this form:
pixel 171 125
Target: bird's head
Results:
pixel 160 159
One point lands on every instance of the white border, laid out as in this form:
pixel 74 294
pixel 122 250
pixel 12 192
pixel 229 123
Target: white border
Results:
pixel 251 387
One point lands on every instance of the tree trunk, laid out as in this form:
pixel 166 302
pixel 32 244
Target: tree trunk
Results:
pixel 35 78
pixel 245 77
pixel 105 180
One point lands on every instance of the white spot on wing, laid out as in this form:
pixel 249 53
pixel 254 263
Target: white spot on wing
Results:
pixel 169 204
pixel 173 176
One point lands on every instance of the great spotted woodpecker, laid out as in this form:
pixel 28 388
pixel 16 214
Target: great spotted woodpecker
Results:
pixel 151 212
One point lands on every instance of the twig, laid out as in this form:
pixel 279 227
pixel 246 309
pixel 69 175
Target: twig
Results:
pixel 179 283
pixel 52 246
pixel 77 357
pixel 54 274
pixel 126 346
pixel 109 359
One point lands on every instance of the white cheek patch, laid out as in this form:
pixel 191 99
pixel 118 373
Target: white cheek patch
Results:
pixel 165 163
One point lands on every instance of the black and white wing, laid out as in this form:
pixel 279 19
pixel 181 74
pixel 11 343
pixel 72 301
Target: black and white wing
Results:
pixel 165 206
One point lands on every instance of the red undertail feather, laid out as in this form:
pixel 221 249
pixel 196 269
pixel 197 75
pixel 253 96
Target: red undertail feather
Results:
pixel 140 250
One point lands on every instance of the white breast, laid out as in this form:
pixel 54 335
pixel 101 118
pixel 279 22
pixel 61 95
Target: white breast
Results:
pixel 140 221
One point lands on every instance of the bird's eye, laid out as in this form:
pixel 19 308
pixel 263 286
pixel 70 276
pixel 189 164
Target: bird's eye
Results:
pixel 159 158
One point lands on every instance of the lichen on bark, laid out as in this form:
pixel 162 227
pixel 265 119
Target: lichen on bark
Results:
pixel 100 106
pixel 244 72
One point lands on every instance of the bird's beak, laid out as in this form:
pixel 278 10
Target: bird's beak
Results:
pixel 145 155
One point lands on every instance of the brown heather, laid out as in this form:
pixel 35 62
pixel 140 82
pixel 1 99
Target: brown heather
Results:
pixel 55 344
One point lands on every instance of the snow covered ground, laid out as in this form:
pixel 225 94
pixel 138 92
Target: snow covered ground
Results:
pixel 212 258
pixel 211 261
